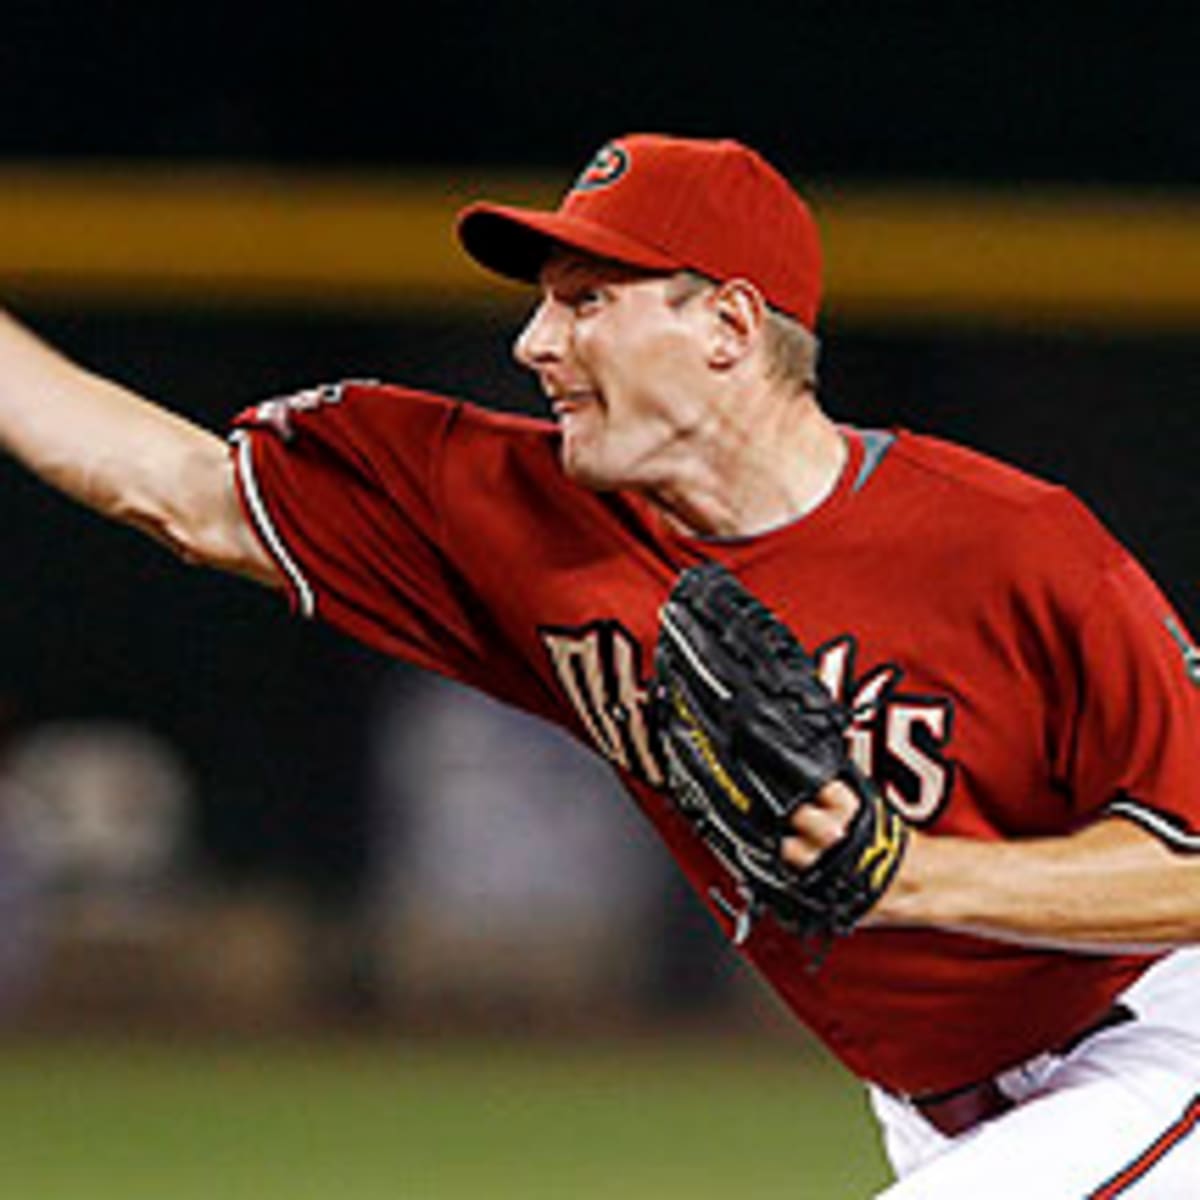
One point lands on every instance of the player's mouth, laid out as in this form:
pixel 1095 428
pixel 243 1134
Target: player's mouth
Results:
pixel 567 404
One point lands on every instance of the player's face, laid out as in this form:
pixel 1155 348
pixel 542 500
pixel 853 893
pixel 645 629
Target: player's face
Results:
pixel 620 358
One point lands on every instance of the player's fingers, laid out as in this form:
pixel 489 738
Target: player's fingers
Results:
pixel 817 826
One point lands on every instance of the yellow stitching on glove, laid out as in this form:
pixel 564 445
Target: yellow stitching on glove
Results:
pixel 884 851
pixel 701 741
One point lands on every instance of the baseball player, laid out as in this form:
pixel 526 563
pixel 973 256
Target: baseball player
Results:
pixel 981 889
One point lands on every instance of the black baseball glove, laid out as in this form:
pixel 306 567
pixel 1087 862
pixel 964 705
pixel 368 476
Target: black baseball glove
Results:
pixel 749 733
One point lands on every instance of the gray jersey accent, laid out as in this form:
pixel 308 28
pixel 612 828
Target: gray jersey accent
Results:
pixel 876 444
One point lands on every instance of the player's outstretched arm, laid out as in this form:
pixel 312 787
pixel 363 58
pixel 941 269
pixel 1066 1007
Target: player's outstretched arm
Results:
pixel 125 457
pixel 1110 886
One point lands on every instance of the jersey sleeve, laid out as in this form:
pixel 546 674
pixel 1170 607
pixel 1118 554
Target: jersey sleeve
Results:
pixel 342 486
pixel 1130 738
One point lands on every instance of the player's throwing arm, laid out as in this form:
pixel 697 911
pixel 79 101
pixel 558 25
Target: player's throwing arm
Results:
pixel 127 458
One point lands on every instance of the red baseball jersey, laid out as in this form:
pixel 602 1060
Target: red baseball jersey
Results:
pixel 1013 671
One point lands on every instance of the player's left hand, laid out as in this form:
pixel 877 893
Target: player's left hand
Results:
pixel 757 760
pixel 819 825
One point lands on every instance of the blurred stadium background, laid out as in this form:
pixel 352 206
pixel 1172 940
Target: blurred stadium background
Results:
pixel 284 919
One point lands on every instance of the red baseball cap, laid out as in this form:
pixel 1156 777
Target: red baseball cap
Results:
pixel 667 204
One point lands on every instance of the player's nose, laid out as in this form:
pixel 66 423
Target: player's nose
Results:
pixel 543 340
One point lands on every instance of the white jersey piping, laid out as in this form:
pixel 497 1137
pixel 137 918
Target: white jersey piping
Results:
pixel 305 597
pixel 1156 823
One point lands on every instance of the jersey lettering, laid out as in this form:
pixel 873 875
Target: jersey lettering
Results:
pixel 899 740
pixel 599 668
pixel 915 735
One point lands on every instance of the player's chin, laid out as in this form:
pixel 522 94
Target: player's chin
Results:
pixel 579 470
pixel 582 464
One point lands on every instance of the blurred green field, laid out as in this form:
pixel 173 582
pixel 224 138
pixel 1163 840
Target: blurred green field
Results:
pixel 392 1120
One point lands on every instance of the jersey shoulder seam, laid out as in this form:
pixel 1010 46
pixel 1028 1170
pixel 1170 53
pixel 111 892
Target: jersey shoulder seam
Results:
pixel 1015 487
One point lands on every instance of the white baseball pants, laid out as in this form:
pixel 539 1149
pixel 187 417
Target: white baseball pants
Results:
pixel 1118 1117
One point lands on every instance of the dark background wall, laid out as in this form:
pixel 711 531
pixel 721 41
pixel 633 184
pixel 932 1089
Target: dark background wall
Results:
pixel 1062 89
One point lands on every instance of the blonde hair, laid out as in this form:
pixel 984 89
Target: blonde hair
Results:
pixel 792 349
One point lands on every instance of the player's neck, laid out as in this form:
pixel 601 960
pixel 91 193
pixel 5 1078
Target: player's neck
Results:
pixel 741 486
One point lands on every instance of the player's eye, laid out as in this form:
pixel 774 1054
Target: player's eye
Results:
pixel 585 300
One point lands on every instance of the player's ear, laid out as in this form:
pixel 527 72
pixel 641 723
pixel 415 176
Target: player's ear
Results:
pixel 739 312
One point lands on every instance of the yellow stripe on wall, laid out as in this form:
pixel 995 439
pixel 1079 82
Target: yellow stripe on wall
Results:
pixel 230 236
pixel 216 237
pixel 1089 258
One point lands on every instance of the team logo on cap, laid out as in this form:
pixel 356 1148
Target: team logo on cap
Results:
pixel 607 167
